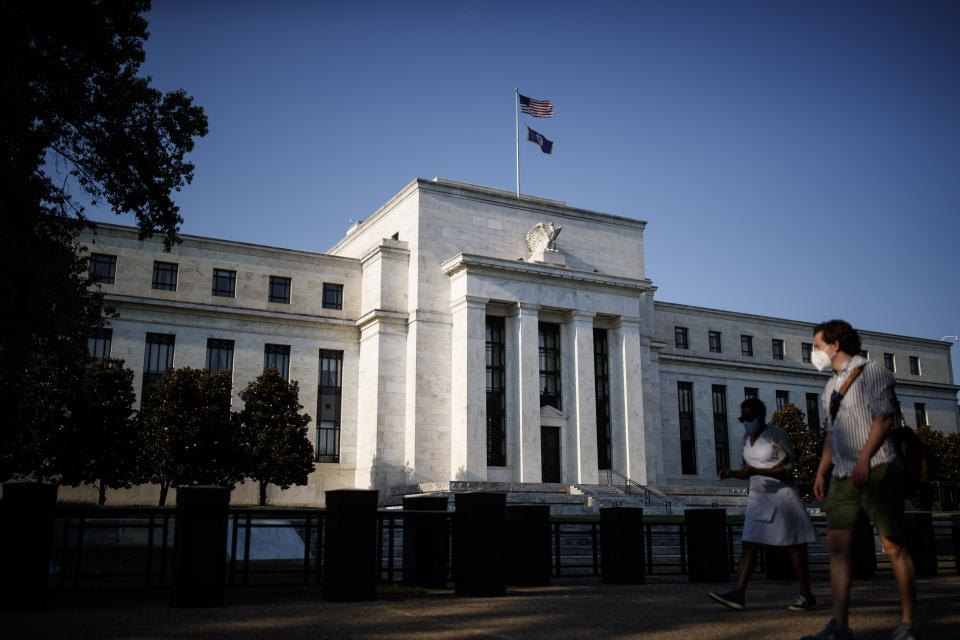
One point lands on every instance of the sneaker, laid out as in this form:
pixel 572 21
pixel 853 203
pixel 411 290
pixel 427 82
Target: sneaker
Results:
pixel 906 632
pixel 803 603
pixel 832 631
pixel 731 599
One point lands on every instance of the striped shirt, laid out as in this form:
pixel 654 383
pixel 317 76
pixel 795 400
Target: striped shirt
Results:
pixel 870 395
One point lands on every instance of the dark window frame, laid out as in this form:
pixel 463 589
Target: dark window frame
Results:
pixel 890 362
pixel 165 275
pixel 776 348
pixel 158 357
pixel 783 397
pixel 716 341
pixel 548 345
pixel 277 354
pixel 721 428
pixel 746 345
pixel 920 414
pixel 751 392
pixel 688 428
pixel 329 387
pixel 496 391
pixel 279 290
pixel 100 343
pixel 806 351
pixel 103 268
pixel 914 365
pixel 219 355
pixel 332 295
pixel 681 336
pixel 813 412
pixel 601 367
pixel 224 283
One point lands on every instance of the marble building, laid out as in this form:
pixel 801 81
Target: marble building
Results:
pixel 462 333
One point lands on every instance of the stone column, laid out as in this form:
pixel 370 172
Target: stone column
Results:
pixel 468 411
pixel 627 431
pixel 523 393
pixel 580 403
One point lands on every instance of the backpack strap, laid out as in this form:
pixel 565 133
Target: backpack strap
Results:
pixel 837 396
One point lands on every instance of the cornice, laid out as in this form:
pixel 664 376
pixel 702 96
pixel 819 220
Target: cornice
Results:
pixel 865 335
pixel 518 270
pixel 381 316
pixel 210 310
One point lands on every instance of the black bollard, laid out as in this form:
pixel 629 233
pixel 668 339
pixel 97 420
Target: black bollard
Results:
pixel 200 546
pixel 529 561
pixel 350 545
pixel 920 541
pixel 426 541
pixel 26 542
pixel 622 559
pixel 706 531
pixel 479 544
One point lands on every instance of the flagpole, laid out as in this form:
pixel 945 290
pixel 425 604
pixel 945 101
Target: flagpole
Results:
pixel 516 140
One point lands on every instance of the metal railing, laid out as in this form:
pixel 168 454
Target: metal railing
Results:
pixel 99 548
pixel 650 497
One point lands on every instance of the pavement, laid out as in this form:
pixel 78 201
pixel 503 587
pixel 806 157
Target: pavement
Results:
pixel 667 608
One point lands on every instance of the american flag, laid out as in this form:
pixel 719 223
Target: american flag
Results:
pixel 536 108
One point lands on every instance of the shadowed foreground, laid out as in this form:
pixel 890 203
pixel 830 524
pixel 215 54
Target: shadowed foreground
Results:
pixel 568 609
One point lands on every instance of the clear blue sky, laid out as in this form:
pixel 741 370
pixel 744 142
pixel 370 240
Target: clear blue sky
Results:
pixel 792 159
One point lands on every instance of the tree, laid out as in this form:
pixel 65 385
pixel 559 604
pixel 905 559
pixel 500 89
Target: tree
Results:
pixel 277 448
pixel 102 441
pixel 806 447
pixel 946 448
pixel 190 436
pixel 80 126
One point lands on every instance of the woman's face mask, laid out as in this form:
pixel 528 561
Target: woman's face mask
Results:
pixel 752 427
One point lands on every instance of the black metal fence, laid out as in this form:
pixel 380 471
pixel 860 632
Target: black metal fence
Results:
pixel 131 547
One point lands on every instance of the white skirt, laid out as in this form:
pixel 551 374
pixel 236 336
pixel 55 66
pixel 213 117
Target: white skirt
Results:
pixel 775 516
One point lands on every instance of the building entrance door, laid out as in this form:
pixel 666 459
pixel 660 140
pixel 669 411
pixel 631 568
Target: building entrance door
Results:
pixel 550 454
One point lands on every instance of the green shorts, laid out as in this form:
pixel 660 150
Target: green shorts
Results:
pixel 881 500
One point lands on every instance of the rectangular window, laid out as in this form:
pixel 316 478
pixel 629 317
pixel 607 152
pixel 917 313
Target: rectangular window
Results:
pixel 278 357
pixel 157 359
pixel 279 290
pixel 329 394
pixel 103 268
pixel 750 392
pixel 332 296
pixel 98 343
pixel 165 276
pixel 715 342
pixel 549 346
pixel 889 362
pixel 496 394
pixel 783 397
pixel 219 355
pixel 224 283
pixel 777 349
pixel 680 334
pixel 920 412
pixel 806 349
pixel 720 431
pixel 601 366
pixel 746 345
pixel 688 443
pixel 813 412
pixel 914 366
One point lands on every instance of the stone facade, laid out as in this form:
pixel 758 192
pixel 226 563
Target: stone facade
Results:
pixel 420 278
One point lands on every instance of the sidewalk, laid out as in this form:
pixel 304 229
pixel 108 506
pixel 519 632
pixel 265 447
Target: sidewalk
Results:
pixel 670 608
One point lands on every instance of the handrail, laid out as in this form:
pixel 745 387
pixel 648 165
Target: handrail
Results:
pixel 649 496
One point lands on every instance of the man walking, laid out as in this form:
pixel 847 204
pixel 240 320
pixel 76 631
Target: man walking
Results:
pixel 867 475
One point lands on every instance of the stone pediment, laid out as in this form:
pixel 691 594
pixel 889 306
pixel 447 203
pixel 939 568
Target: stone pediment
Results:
pixel 552 417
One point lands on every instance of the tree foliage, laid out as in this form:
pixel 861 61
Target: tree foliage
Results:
pixel 277 447
pixel 806 447
pixel 946 448
pixel 190 434
pixel 80 126
pixel 101 444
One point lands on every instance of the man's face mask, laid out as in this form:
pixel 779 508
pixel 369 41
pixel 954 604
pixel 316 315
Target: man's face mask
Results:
pixel 820 359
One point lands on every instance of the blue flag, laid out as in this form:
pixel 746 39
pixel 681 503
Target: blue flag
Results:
pixel 545 145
